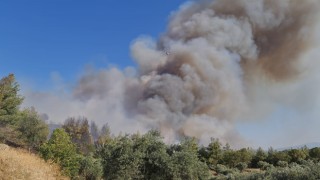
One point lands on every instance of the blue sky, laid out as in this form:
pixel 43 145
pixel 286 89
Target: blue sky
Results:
pixel 39 37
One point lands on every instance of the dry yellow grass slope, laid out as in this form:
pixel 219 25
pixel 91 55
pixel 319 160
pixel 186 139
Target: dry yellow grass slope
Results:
pixel 20 164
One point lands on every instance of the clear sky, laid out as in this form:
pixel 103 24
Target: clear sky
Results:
pixel 38 37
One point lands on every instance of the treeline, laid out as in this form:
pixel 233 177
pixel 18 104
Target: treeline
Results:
pixel 146 156
pixel 85 151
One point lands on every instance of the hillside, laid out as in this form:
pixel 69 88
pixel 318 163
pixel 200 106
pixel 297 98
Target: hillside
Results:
pixel 20 164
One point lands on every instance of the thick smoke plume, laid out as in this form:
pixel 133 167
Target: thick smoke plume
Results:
pixel 204 73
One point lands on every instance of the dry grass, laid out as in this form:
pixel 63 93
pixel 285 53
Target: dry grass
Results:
pixel 20 164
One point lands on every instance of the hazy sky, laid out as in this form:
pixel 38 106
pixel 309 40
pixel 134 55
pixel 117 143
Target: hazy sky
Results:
pixel 41 40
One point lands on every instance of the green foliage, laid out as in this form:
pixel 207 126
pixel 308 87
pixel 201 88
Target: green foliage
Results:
pixel 315 153
pixel 282 164
pixel 9 106
pixel 222 169
pixel 120 160
pixel 61 150
pixel 308 170
pixel 185 164
pixel 260 155
pixel 135 157
pixel 33 130
pixel 154 154
pixel 245 155
pixel 231 158
pixel 90 168
pixel 297 155
pixel 274 157
pixel 214 150
pixel 147 157
pixel 294 172
pixel 241 166
pixel 9 98
pixel 264 165
pixel 19 128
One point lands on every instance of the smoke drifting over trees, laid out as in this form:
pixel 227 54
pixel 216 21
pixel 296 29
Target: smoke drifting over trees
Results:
pixel 208 70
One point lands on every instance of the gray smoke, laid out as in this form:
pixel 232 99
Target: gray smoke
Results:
pixel 219 62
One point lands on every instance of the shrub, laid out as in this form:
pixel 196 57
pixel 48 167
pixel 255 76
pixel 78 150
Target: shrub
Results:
pixel 264 165
pixel 282 164
pixel 61 150
pixel 222 169
pixel 241 166
pixel 295 172
pixel 33 130
pixel 90 168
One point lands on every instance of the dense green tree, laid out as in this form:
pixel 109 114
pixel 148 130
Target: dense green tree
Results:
pixel 119 159
pixel 154 154
pixel 260 155
pixel 204 155
pixel 245 155
pixel 264 165
pixel 223 170
pixel 147 157
pixel 185 164
pixel 90 168
pixel 18 128
pixel 282 164
pixel 10 100
pixel 241 166
pixel 61 150
pixel 230 158
pixel 315 153
pixel 275 156
pixel 270 157
pixel 214 152
pixel 32 129
pixel 296 155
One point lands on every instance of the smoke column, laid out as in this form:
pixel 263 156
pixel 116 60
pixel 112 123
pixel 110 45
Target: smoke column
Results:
pixel 207 72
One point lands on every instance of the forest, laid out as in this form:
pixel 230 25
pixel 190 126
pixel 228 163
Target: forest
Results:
pixel 85 151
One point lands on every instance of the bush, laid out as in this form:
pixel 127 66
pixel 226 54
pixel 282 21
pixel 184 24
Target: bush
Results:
pixel 33 130
pixel 282 164
pixel 61 150
pixel 222 169
pixel 264 165
pixel 241 166
pixel 90 168
pixel 295 172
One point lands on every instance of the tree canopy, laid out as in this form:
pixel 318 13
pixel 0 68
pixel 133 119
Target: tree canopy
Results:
pixel 10 100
